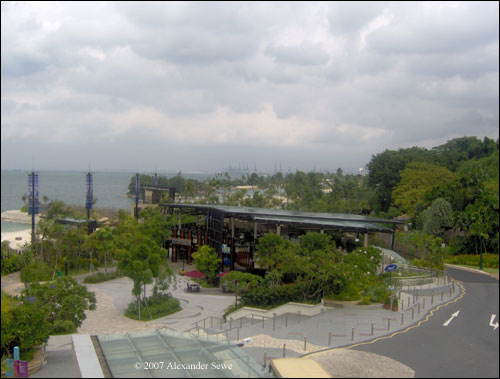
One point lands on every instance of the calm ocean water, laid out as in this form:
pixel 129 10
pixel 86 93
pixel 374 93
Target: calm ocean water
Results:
pixel 110 189
pixel 68 186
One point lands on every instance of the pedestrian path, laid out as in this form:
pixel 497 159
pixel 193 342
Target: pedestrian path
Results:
pixel 329 327
pixel 300 333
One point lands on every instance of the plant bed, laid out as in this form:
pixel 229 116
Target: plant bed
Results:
pixel 161 306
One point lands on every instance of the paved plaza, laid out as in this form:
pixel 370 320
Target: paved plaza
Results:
pixel 300 333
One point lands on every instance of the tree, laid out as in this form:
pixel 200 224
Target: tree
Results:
pixel 63 303
pixel 457 150
pixel 384 173
pixel 272 251
pixel 416 179
pixel 438 217
pixel 207 261
pixel 23 325
pixel 139 257
pixel 316 264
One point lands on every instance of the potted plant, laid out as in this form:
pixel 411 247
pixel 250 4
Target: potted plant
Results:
pixel 387 302
pixel 395 304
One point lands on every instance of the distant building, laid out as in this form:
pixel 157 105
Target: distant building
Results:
pixel 363 171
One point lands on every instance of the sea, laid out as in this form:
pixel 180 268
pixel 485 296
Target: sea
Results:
pixel 110 189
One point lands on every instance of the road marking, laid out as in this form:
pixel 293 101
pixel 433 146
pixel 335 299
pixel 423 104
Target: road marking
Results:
pixel 411 327
pixel 495 325
pixel 451 318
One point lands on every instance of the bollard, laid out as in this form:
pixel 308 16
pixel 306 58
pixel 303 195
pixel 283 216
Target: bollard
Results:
pixel 423 305
pixel 274 321
pixel 352 334
pixel 389 324
pixel 252 319
pixel 418 308
pixel 329 338
pixel 372 328
pixel 284 350
pixel 450 291
pixel 432 299
pixel 305 342
pixel 441 295
pixel 265 358
pixel 453 285
pixel 402 318
pixel 412 313
pixel 408 302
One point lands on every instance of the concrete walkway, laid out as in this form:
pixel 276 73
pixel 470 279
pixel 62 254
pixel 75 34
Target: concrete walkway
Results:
pixel 114 296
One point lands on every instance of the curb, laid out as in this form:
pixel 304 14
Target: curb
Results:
pixel 494 276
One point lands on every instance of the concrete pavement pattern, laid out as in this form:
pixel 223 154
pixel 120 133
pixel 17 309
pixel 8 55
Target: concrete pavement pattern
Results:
pixel 114 296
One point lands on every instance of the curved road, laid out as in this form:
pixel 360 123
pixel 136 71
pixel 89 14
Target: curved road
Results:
pixel 467 347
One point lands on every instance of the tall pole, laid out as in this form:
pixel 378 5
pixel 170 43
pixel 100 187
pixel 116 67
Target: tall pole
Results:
pixel 137 196
pixel 33 191
pixel 90 194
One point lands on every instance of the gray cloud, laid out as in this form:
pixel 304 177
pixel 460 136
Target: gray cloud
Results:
pixel 198 86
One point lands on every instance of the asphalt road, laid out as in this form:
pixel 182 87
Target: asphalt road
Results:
pixel 467 348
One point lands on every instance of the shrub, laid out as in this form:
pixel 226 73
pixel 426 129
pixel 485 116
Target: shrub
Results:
pixel 350 292
pixel 25 326
pixel 159 306
pixel 376 292
pixel 427 264
pixel 264 295
pixel 103 277
pixel 11 264
pixel 489 260
pixel 36 272
pixel 365 300
pixel 245 280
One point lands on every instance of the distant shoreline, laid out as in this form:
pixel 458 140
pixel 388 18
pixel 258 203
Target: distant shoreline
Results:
pixel 18 217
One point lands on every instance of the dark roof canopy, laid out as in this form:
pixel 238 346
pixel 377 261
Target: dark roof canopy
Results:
pixel 347 222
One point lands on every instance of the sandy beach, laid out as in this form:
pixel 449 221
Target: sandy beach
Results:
pixel 17 239
pixel 18 217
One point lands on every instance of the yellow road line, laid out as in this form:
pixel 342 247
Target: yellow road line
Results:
pixel 398 332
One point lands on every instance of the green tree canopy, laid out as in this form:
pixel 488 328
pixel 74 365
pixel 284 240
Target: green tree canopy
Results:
pixel 207 262
pixel 416 179
pixel 438 217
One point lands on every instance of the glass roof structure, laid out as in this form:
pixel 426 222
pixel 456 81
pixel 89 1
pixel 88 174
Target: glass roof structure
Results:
pixel 166 353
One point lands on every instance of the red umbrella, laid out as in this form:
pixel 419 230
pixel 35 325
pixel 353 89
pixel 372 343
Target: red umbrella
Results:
pixel 224 273
pixel 195 274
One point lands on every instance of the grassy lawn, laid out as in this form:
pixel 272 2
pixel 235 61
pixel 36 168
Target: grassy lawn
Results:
pixel 485 269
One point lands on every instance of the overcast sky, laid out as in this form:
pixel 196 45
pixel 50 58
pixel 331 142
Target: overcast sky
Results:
pixel 200 86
